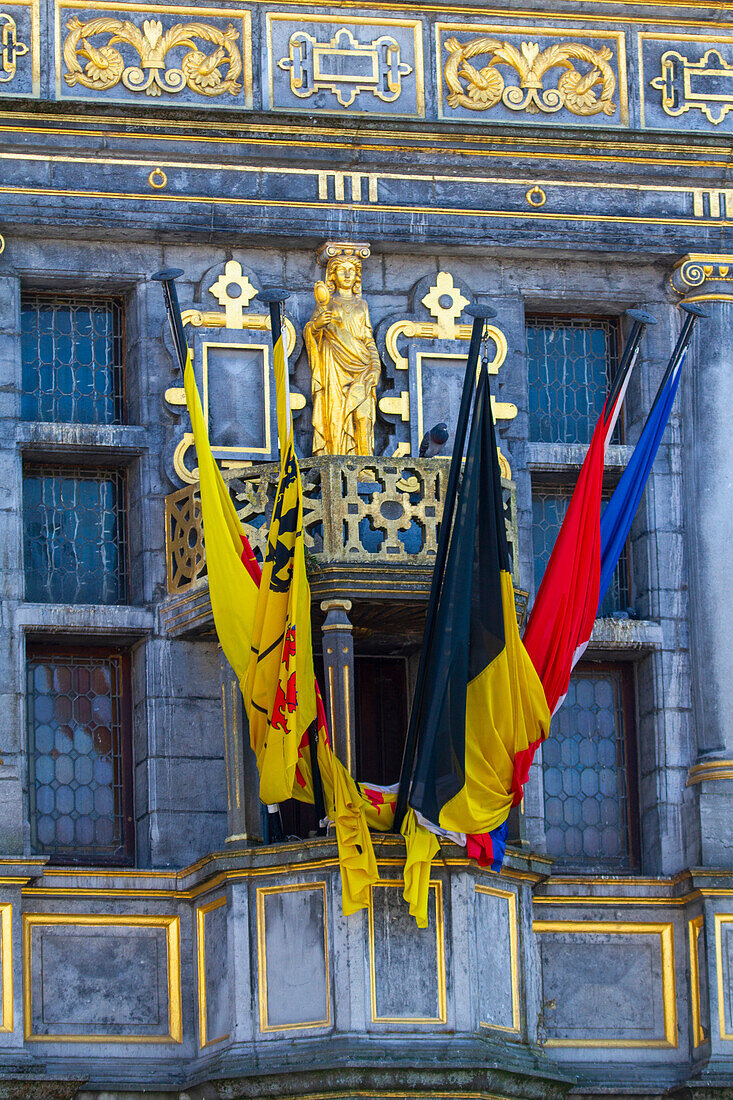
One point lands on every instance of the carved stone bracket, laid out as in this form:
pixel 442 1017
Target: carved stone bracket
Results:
pixel 703 278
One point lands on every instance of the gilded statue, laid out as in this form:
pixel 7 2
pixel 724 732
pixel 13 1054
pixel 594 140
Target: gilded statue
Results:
pixel 344 361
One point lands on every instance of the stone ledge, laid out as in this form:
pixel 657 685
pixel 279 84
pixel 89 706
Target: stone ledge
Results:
pixel 567 457
pixel 102 619
pixel 117 442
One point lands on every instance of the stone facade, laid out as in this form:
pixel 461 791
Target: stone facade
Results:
pixel 573 162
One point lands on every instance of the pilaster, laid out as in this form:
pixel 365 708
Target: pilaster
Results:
pixel 338 669
pixel 708 278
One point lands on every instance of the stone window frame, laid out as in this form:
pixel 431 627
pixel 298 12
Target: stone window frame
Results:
pixel 40 645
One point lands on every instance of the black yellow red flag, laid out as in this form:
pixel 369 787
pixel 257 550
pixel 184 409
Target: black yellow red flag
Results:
pixel 483 701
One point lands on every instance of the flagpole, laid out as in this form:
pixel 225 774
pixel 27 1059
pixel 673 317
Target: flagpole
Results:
pixel 480 313
pixel 694 312
pixel 167 278
pixel 641 319
pixel 274 298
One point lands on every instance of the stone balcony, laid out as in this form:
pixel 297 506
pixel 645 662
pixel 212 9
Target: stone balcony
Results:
pixel 370 526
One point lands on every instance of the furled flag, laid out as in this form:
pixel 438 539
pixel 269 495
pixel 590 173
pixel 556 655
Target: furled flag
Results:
pixel 619 513
pixel 564 611
pixel 281 695
pixel 234 572
pixel 483 704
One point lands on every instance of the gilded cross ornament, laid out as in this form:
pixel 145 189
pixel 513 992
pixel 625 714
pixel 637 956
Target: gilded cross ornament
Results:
pixel 446 303
pixel 234 305
pixel 10 48
pixel 587 90
pixel 208 72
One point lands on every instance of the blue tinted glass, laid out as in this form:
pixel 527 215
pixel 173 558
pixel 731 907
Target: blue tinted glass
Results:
pixel 72 360
pixel 569 363
pixel 74 535
pixel 585 777
pixel 549 506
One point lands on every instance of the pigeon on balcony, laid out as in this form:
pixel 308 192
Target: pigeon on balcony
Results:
pixel 434 441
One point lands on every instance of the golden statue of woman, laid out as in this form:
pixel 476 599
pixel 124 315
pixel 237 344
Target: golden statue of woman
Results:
pixel 344 362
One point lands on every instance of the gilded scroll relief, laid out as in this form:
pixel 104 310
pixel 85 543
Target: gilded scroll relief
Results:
pixel 587 90
pixel 11 48
pixel 345 66
pixel 92 59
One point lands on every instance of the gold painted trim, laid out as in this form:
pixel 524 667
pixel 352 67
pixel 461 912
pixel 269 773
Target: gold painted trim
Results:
pixel 712 298
pixel 201 914
pixel 240 15
pixel 265 388
pixel 442 1017
pixel 537 30
pixel 720 920
pixel 495 143
pixel 710 769
pixel 665 931
pixel 650 36
pixel 6 953
pixel 511 899
pixel 573 900
pixel 357 21
pixel 35 48
pixel 172 926
pixel 616 219
pixel 694 928
pixel 347 719
pixel 262 892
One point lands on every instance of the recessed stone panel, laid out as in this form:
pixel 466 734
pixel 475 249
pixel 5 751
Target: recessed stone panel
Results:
pixel 623 988
pixel 357 66
pixel 103 978
pixel 407 963
pixel 214 1008
pixel 497 958
pixel 292 951
pixel 20 63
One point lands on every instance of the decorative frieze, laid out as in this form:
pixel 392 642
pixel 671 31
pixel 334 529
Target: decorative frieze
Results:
pixel 515 73
pixel 20 64
pixel 686 81
pixel 357 65
pixel 189 55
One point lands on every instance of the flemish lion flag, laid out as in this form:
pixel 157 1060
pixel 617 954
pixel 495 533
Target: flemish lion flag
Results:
pixel 281 694
pixel 483 702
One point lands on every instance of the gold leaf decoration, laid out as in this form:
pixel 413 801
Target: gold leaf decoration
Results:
pixel 581 91
pixel 104 66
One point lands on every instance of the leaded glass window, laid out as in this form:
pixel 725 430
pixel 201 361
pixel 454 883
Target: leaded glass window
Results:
pixel 570 362
pixel 588 767
pixel 72 352
pixel 74 534
pixel 79 755
pixel 549 505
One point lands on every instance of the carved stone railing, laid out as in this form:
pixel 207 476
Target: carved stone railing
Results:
pixel 360 511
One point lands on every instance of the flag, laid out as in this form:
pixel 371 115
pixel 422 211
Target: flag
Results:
pixel 233 570
pixel 483 703
pixel 561 622
pixel 282 698
pixel 619 513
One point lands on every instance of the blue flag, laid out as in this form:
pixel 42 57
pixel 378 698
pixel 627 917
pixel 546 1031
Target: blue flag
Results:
pixel 620 511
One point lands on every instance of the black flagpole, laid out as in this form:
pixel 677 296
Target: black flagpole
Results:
pixel 274 297
pixel 694 312
pixel 167 278
pixel 641 319
pixel 480 314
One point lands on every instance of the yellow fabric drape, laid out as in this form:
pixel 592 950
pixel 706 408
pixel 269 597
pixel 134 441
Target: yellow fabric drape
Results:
pixel 422 847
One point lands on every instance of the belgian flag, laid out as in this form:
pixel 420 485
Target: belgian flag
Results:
pixel 483 702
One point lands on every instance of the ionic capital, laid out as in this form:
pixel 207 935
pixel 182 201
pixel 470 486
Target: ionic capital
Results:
pixel 702 277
